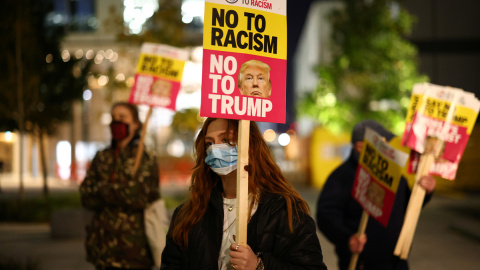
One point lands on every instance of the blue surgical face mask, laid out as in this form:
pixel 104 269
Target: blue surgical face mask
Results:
pixel 222 158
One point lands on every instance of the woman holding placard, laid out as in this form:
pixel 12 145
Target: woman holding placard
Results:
pixel 281 233
pixel 116 236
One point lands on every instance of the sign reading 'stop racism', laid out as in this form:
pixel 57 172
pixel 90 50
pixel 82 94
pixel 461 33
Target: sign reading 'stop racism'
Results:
pixel 244 60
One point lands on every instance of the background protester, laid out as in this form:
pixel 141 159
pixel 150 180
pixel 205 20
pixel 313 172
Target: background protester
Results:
pixel 338 213
pixel 116 236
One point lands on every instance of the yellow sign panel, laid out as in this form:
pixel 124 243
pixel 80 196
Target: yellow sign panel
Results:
pixel 242 30
pixel 159 66
pixel 383 169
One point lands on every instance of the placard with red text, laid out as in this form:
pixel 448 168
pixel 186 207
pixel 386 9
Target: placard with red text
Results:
pixel 244 60
pixel 378 175
pixel 158 75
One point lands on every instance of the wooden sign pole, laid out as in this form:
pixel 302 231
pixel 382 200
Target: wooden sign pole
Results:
pixel 242 183
pixel 433 147
pixel 140 144
pixel 415 203
pixel 414 208
pixel 361 231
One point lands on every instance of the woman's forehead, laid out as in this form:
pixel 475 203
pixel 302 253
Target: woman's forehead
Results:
pixel 217 126
pixel 121 110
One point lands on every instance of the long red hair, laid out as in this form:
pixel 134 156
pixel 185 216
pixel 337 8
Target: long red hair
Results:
pixel 264 175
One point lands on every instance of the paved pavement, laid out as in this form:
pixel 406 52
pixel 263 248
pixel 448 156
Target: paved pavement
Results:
pixel 447 237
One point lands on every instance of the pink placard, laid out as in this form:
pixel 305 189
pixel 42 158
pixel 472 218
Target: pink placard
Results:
pixel 222 97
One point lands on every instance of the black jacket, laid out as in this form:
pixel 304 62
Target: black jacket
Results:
pixel 338 218
pixel 267 232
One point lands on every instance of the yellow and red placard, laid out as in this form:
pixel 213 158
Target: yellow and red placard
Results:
pixel 244 60
pixel 378 174
pixel 427 117
pixel 158 75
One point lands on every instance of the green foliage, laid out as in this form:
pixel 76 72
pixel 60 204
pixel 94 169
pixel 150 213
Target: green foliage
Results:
pixel 37 209
pixel 373 68
pixel 186 122
pixel 172 202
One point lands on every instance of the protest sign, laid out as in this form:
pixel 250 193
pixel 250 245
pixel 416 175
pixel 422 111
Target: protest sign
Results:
pixel 244 75
pixel 427 118
pixel 439 122
pixel 157 82
pixel 376 181
pixel 378 175
pixel 244 60
pixel 158 75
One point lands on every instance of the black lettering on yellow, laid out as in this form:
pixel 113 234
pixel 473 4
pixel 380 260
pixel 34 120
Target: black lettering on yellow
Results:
pixel 249 19
pixel 242 45
pixel 260 19
pixel 151 64
pixel 218 17
pixel 270 46
pixel 230 39
pixel 259 47
pixel 231 19
pixel 217 35
pixel 256 41
pixel 377 164
pixel 232 14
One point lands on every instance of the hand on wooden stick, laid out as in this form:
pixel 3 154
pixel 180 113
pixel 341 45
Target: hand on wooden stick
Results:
pixel 356 243
pixel 242 257
pixel 428 182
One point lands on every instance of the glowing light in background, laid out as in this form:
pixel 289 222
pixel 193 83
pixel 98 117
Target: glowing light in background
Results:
pixel 191 9
pixel 130 81
pixel 103 80
pixel 106 118
pixel 8 136
pixel 269 135
pixel 89 54
pixel 98 59
pixel 65 56
pixel 176 148
pixel 64 159
pixel 49 58
pixel 87 94
pixel 108 53
pixel 114 57
pixel 188 100
pixel 137 12
pixel 284 139
pixel 79 54
pixel 120 77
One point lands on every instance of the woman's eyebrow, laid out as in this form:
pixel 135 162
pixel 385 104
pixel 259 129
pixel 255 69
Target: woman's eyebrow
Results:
pixel 220 134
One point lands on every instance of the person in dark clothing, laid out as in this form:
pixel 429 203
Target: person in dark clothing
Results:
pixel 338 213
pixel 280 232
pixel 116 236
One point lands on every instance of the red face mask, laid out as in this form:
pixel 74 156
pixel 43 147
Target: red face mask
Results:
pixel 119 130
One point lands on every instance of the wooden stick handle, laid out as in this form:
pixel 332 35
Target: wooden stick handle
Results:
pixel 413 221
pixel 405 229
pixel 361 231
pixel 140 144
pixel 242 183
pixel 414 208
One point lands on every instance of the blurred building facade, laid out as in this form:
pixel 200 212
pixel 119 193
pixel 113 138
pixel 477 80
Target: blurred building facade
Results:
pixel 449 47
